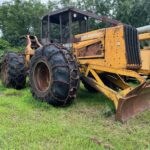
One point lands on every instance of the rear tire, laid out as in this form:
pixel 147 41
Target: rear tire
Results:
pixel 54 75
pixel 13 72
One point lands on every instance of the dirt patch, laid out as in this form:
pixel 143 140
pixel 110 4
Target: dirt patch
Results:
pixel 1 94
pixel 102 143
pixel 96 140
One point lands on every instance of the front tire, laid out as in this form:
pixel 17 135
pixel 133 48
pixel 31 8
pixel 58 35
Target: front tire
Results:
pixel 54 75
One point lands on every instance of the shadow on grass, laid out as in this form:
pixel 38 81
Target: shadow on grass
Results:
pixel 83 98
pixel 93 99
pixel 88 97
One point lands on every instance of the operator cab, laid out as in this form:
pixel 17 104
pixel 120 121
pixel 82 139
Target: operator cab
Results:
pixel 60 26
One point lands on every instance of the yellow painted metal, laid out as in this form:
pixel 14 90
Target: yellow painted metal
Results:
pixel 123 72
pixel 29 51
pixel 96 34
pixel 84 43
pixel 112 64
pixel 104 89
pixel 110 93
pixel 144 36
pixel 89 57
pixel 145 55
pixel 146 72
pixel 114 47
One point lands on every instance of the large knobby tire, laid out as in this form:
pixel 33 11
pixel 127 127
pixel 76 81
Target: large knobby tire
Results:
pixel 54 75
pixel 13 71
pixel 88 86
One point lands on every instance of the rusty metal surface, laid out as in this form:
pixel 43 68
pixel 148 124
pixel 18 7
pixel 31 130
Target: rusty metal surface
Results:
pixel 42 76
pixel 92 50
pixel 138 100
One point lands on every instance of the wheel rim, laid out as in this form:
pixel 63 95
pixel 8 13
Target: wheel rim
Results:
pixel 41 76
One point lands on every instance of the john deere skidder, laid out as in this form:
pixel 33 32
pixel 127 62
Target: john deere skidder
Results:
pixel 102 58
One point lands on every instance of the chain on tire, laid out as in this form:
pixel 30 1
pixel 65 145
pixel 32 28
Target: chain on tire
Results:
pixel 54 75
pixel 13 71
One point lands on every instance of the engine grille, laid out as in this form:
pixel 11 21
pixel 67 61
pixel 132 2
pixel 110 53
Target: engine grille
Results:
pixel 132 47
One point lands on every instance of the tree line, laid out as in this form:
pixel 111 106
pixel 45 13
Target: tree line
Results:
pixel 17 17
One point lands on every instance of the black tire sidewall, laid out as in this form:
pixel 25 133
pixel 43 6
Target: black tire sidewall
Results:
pixel 64 83
pixel 16 71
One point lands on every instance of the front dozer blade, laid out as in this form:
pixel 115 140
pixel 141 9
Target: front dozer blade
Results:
pixel 134 102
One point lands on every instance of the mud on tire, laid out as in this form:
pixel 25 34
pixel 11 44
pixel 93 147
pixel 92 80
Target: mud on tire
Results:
pixel 13 72
pixel 54 75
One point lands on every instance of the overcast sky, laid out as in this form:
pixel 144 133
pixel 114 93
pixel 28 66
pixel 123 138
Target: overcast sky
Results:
pixel 1 1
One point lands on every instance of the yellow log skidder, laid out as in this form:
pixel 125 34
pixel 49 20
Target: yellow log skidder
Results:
pixel 102 58
pixel 103 68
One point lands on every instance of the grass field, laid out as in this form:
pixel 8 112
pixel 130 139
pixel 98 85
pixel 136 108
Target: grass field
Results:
pixel 26 123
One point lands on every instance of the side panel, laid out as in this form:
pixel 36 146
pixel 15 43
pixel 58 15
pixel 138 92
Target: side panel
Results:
pixel 90 44
pixel 144 36
pixel 145 56
pixel 115 53
pixel 112 52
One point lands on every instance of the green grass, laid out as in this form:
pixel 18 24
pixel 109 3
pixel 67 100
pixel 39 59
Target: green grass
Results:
pixel 26 123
